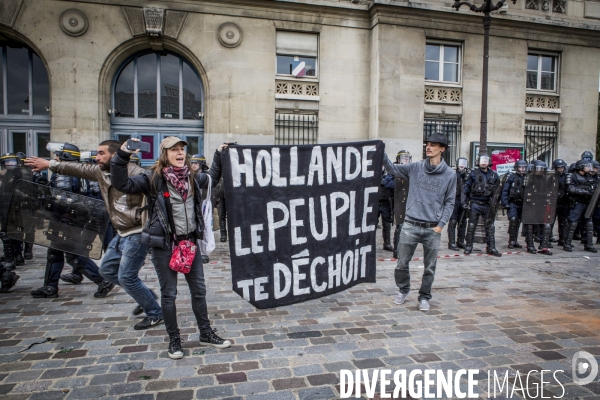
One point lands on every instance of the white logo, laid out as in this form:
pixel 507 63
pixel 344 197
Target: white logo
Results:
pixel 584 363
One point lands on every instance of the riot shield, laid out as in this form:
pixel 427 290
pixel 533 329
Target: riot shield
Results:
pixel 58 219
pixel 8 178
pixel 495 200
pixel 539 198
pixel 400 197
pixel 593 203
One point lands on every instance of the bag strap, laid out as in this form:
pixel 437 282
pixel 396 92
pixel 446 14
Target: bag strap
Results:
pixel 167 197
pixel 209 186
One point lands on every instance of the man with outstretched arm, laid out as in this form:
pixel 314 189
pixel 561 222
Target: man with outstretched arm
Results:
pixel 125 255
pixel 428 208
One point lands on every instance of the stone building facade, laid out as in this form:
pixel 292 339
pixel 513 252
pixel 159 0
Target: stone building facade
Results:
pixel 298 71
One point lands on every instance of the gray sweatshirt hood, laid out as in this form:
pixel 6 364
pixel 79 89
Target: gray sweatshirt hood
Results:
pixel 437 169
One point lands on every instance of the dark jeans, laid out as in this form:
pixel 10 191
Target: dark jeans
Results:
pixel 168 290
pixel 410 236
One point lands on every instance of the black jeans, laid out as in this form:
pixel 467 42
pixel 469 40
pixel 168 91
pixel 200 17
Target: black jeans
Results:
pixel 168 290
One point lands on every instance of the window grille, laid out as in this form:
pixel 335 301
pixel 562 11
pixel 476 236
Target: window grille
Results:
pixel 540 142
pixel 449 127
pixel 293 129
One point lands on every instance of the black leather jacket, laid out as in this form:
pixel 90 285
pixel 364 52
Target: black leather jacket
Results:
pixel 155 232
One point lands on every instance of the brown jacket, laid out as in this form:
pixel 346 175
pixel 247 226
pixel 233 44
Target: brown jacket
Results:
pixel 123 209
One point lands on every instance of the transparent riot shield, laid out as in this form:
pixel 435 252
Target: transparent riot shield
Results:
pixel 539 198
pixel 400 197
pixel 58 219
pixel 9 176
pixel 495 200
pixel 593 203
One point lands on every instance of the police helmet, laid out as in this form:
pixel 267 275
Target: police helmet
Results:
pixel 583 165
pixel 558 163
pixel 199 158
pixel 134 159
pixel 88 157
pixel 9 160
pixel 403 157
pixel 69 152
pixel 462 163
pixel 520 166
pixel 595 164
pixel 483 158
pixel 539 166
pixel 587 155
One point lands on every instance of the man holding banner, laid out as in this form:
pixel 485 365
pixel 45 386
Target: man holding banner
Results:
pixel 429 207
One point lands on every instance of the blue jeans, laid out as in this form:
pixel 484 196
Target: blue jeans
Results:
pixel 56 263
pixel 410 237
pixel 168 290
pixel 121 265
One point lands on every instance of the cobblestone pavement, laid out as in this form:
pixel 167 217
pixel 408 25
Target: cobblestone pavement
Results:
pixel 520 312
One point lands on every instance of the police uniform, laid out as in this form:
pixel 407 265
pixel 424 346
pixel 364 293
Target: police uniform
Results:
pixel 512 199
pixel 562 201
pixel 456 221
pixel 580 185
pixel 479 189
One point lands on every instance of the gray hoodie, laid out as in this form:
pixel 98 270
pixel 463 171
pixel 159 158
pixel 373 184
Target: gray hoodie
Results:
pixel 431 191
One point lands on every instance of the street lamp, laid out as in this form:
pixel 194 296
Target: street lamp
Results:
pixel 486 8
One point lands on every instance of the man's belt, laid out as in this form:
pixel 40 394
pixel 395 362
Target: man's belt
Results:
pixel 480 203
pixel 422 224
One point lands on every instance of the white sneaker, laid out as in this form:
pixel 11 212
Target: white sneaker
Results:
pixel 401 298
pixel 424 305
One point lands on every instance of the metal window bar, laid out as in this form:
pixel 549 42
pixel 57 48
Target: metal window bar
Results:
pixel 540 142
pixel 294 129
pixel 451 128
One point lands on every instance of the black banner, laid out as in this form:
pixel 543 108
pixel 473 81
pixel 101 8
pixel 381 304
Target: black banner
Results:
pixel 301 219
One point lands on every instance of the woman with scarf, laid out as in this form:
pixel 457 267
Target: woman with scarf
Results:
pixel 171 178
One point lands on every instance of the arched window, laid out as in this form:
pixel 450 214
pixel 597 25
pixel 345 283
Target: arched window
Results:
pixel 24 101
pixel 157 95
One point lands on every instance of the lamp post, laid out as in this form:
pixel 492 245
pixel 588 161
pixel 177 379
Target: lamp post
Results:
pixel 486 8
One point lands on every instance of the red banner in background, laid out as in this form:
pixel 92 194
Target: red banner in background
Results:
pixel 504 160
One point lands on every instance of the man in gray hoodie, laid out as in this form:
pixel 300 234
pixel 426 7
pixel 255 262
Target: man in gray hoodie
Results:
pixel 428 208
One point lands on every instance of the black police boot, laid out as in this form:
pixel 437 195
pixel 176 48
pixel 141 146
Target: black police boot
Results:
pixel 513 233
pixel 589 230
pixel 544 246
pixel 104 288
pixel 9 253
pixel 28 251
pixel 45 292
pixel 561 232
pixel 19 260
pixel 452 235
pixel 570 228
pixel 577 235
pixel 469 238
pixel 223 231
pixel 529 239
pixel 205 259
pixel 75 277
pixel 387 228
pixel 8 279
pixel 491 248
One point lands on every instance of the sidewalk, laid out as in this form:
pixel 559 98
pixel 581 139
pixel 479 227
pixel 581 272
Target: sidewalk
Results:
pixel 518 312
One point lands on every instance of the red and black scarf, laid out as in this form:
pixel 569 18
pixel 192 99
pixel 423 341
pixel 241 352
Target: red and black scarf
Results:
pixel 179 178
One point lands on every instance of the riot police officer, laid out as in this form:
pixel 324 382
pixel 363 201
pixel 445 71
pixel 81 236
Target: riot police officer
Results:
pixel 562 202
pixel 512 199
pixel 8 276
pixel 462 172
pixel 386 198
pixel 478 191
pixel 55 259
pixel 544 230
pixel 403 157
pixel 580 185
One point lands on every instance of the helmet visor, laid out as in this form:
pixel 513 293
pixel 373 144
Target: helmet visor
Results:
pixel 462 163
pixel 10 162
pixel 540 168
pixel 404 159
pixel 484 161
pixel 586 167
pixel 521 168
